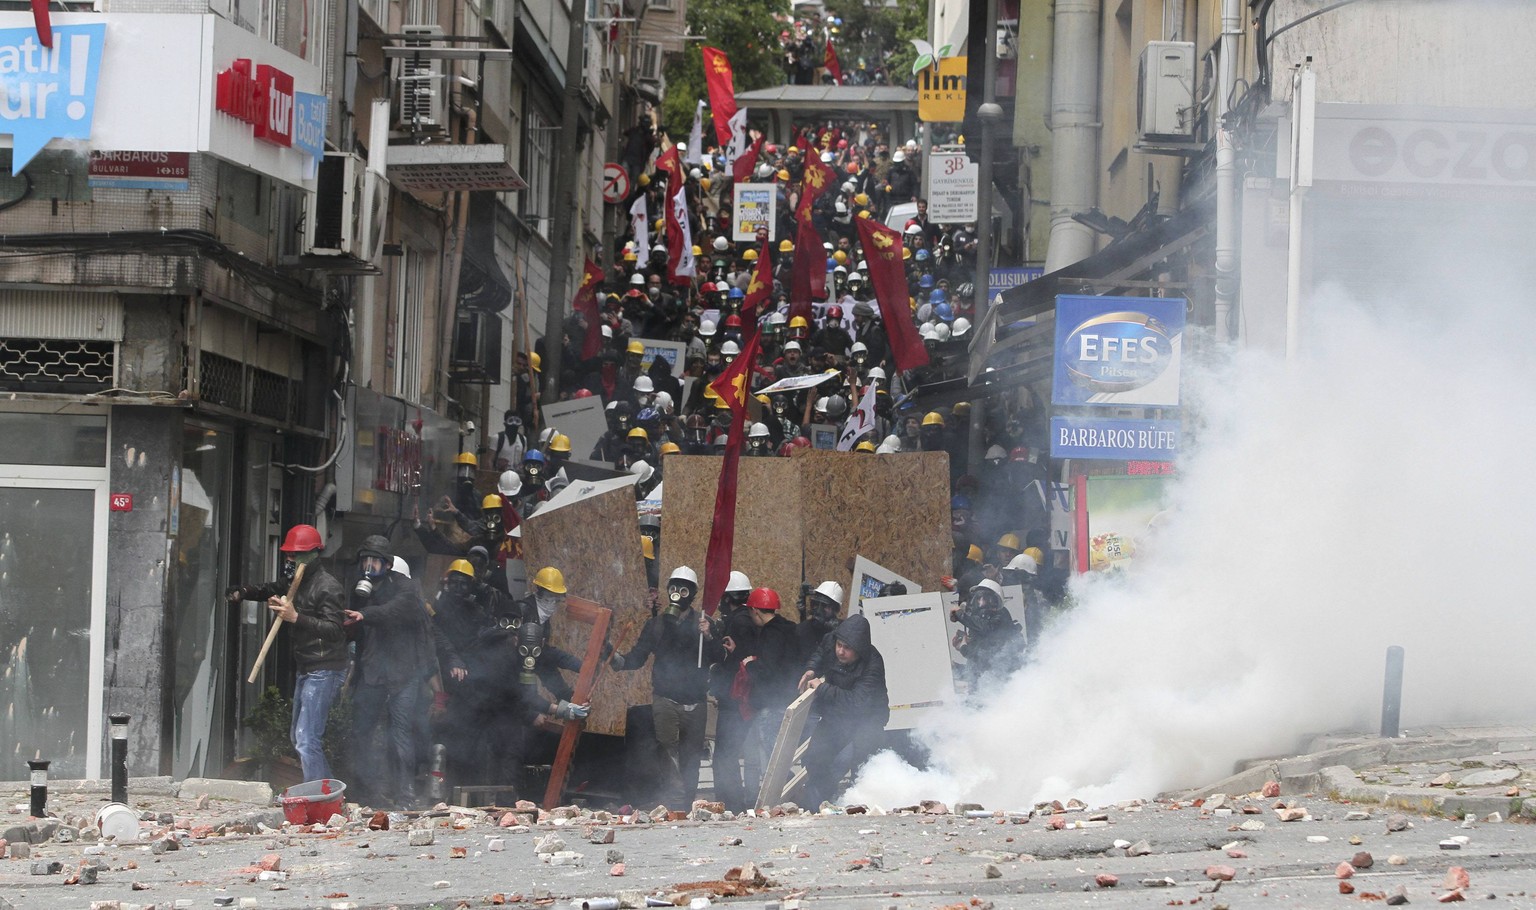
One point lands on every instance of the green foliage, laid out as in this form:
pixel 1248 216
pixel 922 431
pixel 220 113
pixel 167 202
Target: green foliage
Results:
pixel 877 33
pixel 749 35
pixel 268 725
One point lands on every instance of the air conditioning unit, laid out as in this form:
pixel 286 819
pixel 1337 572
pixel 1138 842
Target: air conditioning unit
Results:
pixel 1165 109
pixel 334 212
pixel 421 100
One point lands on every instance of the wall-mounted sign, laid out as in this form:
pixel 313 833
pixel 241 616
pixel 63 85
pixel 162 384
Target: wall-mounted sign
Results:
pixel 260 95
pixel 1114 440
pixel 941 91
pixel 1117 351
pixel 140 170
pixel 953 179
pixel 47 93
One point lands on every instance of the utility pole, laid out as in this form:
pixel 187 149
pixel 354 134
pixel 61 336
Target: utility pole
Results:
pixel 564 199
pixel 989 113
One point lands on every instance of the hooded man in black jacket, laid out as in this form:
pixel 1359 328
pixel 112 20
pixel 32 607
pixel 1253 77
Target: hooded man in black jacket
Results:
pixel 390 624
pixel 854 706
pixel 679 683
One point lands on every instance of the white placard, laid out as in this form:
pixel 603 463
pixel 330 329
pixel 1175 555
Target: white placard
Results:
pixel 908 631
pixel 952 183
pixel 673 351
pixel 581 419
pixel 868 578
pixel 753 206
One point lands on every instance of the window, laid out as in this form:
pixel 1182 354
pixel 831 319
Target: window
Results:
pixel 538 139
pixel 649 64
pixel 410 305
pixel 662 4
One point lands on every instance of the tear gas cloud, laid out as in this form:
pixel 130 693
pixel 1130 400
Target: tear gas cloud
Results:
pixel 1378 491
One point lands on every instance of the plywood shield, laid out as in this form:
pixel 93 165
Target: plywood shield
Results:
pixel 595 543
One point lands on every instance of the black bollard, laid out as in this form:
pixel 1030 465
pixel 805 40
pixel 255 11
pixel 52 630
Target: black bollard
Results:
pixel 39 787
pixel 1392 693
pixel 119 757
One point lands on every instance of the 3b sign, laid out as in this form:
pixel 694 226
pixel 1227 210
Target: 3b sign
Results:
pixel 259 95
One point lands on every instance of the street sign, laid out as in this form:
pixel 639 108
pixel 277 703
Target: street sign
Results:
pixel 615 183
pixel 953 179
pixel 120 502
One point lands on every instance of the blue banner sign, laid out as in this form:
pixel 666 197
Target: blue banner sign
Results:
pixel 1000 280
pixel 309 112
pixel 1114 440
pixel 48 93
pixel 1118 351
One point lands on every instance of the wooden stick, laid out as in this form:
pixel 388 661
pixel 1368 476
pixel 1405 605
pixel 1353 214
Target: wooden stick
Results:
pixel 261 658
pixel 585 611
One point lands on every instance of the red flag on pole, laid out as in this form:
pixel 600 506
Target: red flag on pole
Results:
pixel 808 279
pixel 882 250
pixel 829 60
pixel 585 303
pixel 722 91
pixel 671 164
pixel 733 386
pixel 758 289
pixel 680 262
pixel 743 165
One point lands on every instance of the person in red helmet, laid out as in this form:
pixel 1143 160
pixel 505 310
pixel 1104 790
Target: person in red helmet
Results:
pixel 768 675
pixel 319 645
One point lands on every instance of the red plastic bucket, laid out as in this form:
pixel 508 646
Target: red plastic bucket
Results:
pixel 313 802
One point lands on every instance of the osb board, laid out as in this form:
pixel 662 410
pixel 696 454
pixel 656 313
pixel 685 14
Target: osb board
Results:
pixel 767 541
pixel 890 509
pixel 595 543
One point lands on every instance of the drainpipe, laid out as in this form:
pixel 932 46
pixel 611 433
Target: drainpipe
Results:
pixel 564 199
pixel 1226 171
pixel 1075 130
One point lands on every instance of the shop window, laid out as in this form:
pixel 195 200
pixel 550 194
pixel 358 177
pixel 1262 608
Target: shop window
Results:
pixel 66 440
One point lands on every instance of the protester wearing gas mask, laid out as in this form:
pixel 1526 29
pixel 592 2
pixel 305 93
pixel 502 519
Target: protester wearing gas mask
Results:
pixel 991 642
pixel 319 646
pixel 677 637
pixel 818 617
pixel 390 627
pixel 539 661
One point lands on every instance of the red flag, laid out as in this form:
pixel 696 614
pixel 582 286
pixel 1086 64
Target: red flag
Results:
pixel 733 386
pixel 681 267
pixel 882 250
pixel 585 303
pixel 808 279
pixel 722 91
pixel 829 60
pixel 758 289
pixel 742 167
pixel 671 164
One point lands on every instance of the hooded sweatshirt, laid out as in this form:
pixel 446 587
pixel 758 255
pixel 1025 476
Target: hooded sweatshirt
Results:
pixel 854 693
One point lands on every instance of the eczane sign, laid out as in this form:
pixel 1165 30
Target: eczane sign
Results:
pixel 1359 143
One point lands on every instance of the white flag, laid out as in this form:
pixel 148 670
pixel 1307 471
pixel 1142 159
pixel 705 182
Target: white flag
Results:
pixel 696 136
pixel 860 422
pixel 640 219
pixel 685 268
pixel 738 146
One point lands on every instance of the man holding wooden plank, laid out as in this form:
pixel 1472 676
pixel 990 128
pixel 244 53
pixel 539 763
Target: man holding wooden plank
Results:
pixel 852 701
pixel 314 607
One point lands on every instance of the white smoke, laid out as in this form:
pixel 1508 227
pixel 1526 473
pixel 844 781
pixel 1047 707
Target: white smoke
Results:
pixel 1377 491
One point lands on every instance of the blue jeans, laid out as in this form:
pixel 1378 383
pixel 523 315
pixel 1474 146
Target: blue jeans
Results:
pixel 313 695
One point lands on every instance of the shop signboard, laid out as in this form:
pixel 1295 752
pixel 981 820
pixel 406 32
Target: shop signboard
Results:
pixel 953 179
pixel 1118 351
pixel 48 94
pixel 1114 439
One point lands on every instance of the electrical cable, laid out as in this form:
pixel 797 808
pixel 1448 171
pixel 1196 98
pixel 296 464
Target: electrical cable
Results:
pixel 26 193
pixel 1312 15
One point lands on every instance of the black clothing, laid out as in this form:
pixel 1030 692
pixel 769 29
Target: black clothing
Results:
pixel 391 634
pixel 674 640
pixel 775 668
pixel 854 693
pixel 316 637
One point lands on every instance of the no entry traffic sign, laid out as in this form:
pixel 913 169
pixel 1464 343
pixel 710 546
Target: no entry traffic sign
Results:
pixel 615 183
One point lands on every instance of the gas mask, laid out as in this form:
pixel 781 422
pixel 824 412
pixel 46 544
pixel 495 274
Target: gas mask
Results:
pixel 780 403
pixel 859 358
pixel 533 473
pixel 680 595
pixel 823 610
pixel 623 422
pixel 464 473
pixel 530 644
pixel 373 568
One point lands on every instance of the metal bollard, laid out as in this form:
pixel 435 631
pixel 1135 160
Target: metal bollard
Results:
pixel 39 787
pixel 437 783
pixel 119 757
pixel 1392 693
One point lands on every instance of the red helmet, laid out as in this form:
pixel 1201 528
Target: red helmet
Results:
pixel 582 393
pixel 1019 453
pixel 708 288
pixel 301 539
pixel 763 599
pixel 733 321
pixel 801 442
pixel 834 312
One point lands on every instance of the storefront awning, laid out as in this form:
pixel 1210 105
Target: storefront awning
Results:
pixel 783 103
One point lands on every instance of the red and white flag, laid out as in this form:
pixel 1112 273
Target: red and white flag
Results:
pixel 860 422
pixel 680 264
pixel 640 220
pixel 736 147
pixel 733 386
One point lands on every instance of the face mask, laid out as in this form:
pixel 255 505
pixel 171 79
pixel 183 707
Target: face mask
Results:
pixel 679 599
pixel 530 644
pixel 547 604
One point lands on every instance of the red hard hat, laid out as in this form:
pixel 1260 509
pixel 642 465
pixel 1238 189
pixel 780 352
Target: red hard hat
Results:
pixel 301 539
pixel 708 288
pixel 1019 453
pixel 582 393
pixel 733 321
pixel 835 312
pixel 801 442
pixel 842 143
pixel 763 599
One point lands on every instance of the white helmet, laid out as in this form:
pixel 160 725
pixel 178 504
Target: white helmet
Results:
pixel 607 331
pixel 758 431
pixel 400 568
pixel 509 483
pixel 994 453
pixel 1024 563
pixel 730 347
pixel 644 384
pixel 925 313
pixel 941 333
pixel 962 325
pixel 893 441
pixel 876 373
pixel 899 157
pixel 695 173
pixel 859 347
pixel 546 434
pixel 707 328
pixel 637 279
pixel 682 148
pixel 663 402
pixel 777 318
pixel 831 590
pixel 683 573
pixel 863 265
pixel 925 331
pixel 826 157
pixel 738 582
pixel 987 584
pixel 856 277
pixel 821 404
pixel 764 171
pixel 883 449
pixel 642 470
pixel 792 346
pixel 720 245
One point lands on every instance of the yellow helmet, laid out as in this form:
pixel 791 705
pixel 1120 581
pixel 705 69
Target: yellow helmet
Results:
pixel 647 548
pixel 704 182
pixel 865 446
pixel 973 554
pixel 467 458
pixel 491 501
pixel 1010 541
pixel 764 401
pixel 786 246
pixel 697 250
pixel 550 579
pixel 961 407
pixel 783 174
pixel 660 224
pixel 630 256
pixel 667 448
pixel 462 567
pixel 799 323
pixel 639 433
pixel 861 199
pixel 560 443
pixel 635 347
pixel 749 255
pixel 535 361
pixel 840 257
pixel 721 404
pixel 1035 554
pixel 933 419
pixel 709 392
pixel 645 179
pixel 906 253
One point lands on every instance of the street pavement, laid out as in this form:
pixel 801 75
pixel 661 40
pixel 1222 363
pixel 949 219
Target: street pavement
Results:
pixel 1398 816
